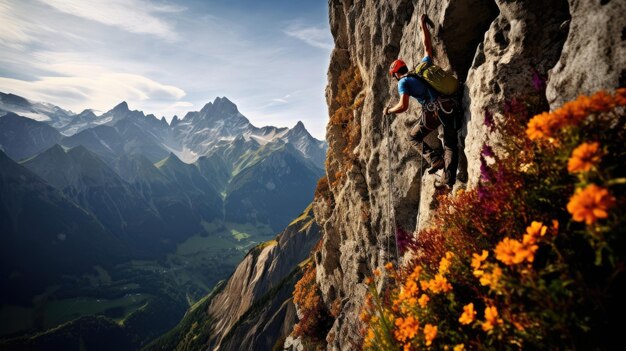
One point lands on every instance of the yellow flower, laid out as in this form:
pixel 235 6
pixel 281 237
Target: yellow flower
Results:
pixel 491 318
pixel 477 259
pixel 590 204
pixel 407 328
pixel 423 300
pixel 459 347
pixel 584 157
pixel 468 314
pixel 430 333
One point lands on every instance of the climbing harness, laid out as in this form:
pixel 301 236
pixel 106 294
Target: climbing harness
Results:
pixel 437 105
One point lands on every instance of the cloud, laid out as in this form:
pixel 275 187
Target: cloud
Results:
pixel 99 91
pixel 318 37
pixel 17 29
pixel 135 16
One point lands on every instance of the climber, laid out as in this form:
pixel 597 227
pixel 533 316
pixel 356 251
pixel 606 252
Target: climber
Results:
pixel 439 112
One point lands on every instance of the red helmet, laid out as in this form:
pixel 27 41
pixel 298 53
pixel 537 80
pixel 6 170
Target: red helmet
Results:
pixel 395 66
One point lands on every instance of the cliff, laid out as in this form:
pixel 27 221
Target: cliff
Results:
pixel 545 51
pixel 253 309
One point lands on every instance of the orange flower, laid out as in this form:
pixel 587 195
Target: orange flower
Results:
pixel 408 305
pixel 423 300
pixel 590 204
pixel 555 225
pixel 541 126
pixel 444 264
pixel 459 347
pixel 389 266
pixel 368 281
pixel 510 251
pixel 415 275
pixel 547 124
pixel 506 251
pixel 491 279
pixel 430 333
pixel 477 259
pixel 369 339
pixel 411 288
pixel 601 102
pixel 491 318
pixel 377 272
pixel 439 284
pixel 533 232
pixel 364 317
pixel 577 110
pixel 407 328
pixel 584 157
pixel 468 314
pixel 620 96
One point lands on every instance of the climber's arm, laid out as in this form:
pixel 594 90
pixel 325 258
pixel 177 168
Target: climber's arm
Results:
pixel 400 107
pixel 426 40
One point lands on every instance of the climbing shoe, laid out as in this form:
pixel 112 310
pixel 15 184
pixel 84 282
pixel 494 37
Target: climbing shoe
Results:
pixel 436 165
pixel 442 186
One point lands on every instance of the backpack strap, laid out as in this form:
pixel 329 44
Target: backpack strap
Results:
pixel 422 67
pixel 429 88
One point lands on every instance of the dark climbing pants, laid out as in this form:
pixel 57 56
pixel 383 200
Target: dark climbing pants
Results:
pixel 446 124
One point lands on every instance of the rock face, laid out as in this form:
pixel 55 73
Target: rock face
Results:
pixel 501 50
pixel 255 309
pixel 594 54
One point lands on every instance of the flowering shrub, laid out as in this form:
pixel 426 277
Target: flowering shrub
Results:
pixel 533 257
pixel 315 321
pixel 345 109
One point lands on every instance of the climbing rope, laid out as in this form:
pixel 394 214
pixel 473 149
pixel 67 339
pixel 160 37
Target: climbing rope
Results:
pixel 419 202
pixel 390 224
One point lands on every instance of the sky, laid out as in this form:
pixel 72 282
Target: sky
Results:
pixel 165 57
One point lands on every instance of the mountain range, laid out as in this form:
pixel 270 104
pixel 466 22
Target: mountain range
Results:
pixel 98 206
pixel 215 154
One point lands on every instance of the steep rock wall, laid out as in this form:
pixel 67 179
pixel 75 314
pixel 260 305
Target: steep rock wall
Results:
pixel 255 308
pixel 501 50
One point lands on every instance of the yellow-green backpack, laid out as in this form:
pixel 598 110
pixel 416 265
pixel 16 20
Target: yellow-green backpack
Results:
pixel 438 78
